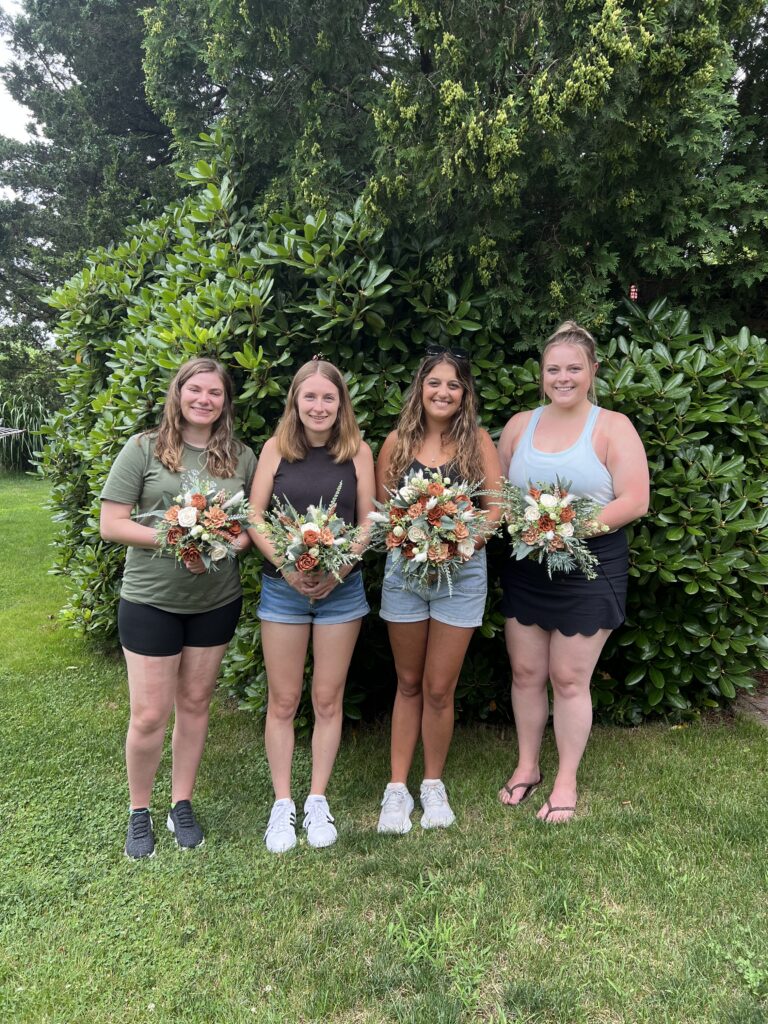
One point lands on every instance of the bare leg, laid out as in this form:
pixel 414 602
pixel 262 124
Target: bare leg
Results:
pixel 332 648
pixel 196 682
pixel 285 651
pixel 446 648
pixel 152 688
pixel 572 660
pixel 409 648
pixel 528 649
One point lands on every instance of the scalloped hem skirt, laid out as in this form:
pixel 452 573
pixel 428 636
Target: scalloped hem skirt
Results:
pixel 569 602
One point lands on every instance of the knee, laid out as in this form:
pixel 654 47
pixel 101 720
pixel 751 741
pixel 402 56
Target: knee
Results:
pixel 567 684
pixel 438 693
pixel 409 686
pixel 282 706
pixel 149 720
pixel 327 706
pixel 528 678
pixel 192 705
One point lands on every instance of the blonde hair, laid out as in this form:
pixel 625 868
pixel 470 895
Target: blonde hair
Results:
pixel 463 432
pixel 571 333
pixel 223 449
pixel 344 441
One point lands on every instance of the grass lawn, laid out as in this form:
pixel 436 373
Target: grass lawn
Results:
pixel 651 907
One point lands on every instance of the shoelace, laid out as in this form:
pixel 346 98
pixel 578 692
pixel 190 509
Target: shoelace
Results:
pixel 183 811
pixel 318 813
pixel 434 795
pixel 281 817
pixel 394 799
pixel 140 825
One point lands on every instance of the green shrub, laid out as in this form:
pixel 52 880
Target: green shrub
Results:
pixel 210 276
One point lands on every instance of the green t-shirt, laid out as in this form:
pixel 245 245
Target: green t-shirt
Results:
pixel 139 479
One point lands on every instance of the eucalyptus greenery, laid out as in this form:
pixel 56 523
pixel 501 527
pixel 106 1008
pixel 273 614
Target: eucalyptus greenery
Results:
pixel 263 294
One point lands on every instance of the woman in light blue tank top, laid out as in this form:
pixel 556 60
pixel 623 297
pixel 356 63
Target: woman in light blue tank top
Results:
pixel 556 628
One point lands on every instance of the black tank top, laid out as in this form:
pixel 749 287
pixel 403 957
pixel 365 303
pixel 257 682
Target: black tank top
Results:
pixel 314 479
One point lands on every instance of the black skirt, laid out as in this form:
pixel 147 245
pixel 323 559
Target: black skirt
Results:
pixel 569 602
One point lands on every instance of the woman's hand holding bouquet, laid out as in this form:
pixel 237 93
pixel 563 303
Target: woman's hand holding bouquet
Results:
pixel 550 524
pixel 431 527
pixel 202 523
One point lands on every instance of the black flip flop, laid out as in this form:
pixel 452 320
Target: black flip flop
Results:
pixel 528 787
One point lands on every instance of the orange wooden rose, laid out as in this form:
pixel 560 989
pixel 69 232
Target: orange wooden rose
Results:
pixel 306 562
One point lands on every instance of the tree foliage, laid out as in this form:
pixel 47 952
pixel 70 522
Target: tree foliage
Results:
pixel 97 150
pixel 263 293
pixel 559 153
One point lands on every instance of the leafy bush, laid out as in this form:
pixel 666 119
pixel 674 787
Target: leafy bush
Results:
pixel 263 295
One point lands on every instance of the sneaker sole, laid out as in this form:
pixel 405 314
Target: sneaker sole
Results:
pixel 321 846
pixel 427 823
pixel 146 856
pixel 406 828
pixel 285 849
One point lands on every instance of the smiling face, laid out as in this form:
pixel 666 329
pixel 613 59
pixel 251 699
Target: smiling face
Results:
pixel 566 375
pixel 317 403
pixel 442 392
pixel 201 400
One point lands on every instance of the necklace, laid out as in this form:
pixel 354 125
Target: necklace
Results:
pixel 435 459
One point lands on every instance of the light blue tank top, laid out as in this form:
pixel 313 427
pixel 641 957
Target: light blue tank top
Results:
pixel 579 463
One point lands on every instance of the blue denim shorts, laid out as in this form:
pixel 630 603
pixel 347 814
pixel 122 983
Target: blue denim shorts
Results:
pixel 281 603
pixel 464 607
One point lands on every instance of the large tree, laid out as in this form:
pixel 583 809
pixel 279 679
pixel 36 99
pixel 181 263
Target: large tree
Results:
pixel 97 153
pixel 560 153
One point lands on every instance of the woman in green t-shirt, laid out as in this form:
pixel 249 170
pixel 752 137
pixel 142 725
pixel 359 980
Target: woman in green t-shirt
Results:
pixel 175 621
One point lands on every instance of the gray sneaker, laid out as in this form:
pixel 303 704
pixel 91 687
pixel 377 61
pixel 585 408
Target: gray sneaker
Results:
pixel 437 810
pixel 140 841
pixel 396 808
pixel 185 826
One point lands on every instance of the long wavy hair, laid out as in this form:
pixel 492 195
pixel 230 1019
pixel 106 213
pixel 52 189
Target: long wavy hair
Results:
pixel 571 333
pixel 344 441
pixel 223 448
pixel 462 433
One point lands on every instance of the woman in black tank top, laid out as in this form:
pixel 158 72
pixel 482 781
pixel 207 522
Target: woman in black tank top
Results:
pixel 430 631
pixel 316 447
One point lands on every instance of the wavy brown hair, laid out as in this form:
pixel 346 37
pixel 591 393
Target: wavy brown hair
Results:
pixel 571 333
pixel 344 441
pixel 223 448
pixel 468 461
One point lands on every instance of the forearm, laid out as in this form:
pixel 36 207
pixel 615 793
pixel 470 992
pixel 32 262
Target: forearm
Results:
pixel 130 533
pixel 264 545
pixel 622 510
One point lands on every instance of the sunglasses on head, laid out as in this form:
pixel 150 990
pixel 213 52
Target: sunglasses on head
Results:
pixel 440 350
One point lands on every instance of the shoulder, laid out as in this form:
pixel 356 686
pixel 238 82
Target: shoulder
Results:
pixel 615 424
pixel 516 425
pixel 243 450
pixel 389 442
pixel 484 439
pixel 364 453
pixel 270 456
pixel 138 447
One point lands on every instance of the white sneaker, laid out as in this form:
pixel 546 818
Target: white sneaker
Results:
pixel 396 809
pixel 281 830
pixel 318 822
pixel 434 800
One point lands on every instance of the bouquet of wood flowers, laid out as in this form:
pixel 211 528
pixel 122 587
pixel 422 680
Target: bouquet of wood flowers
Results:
pixel 550 524
pixel 201 522
pixel 430 525
pixel 319 541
